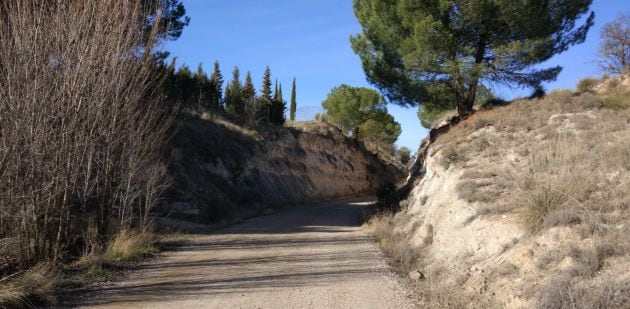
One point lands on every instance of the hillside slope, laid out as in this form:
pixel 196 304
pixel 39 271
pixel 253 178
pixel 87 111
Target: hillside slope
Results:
pixel 223 172
pixel 523 206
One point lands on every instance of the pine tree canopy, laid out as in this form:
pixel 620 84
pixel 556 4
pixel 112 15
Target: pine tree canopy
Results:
pixel 216 80
pixel 361 112
pixel 173 17
pixel 265 94
pixel 426 52
pixel 249 91
pixel 233 94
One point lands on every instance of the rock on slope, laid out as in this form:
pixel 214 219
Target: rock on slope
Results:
pixel 222 172
pixel 527 205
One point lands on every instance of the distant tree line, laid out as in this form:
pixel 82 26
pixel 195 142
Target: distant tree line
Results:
pixel 201 91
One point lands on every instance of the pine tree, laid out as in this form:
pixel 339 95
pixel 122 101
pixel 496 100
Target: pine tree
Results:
pixel 438 52
pixel 233 94
pixel 216 81
pixel 293 107
pixel 249 91
pixel 265 100
pixel 200 95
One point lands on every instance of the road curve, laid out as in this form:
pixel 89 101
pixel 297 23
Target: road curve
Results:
pixel 312 256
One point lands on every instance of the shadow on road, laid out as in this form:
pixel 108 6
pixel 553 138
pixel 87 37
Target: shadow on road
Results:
pixel 312 245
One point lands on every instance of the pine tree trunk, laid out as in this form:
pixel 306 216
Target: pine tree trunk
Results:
pixel 465 108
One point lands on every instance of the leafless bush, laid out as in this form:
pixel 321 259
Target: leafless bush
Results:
pixel 567 292
pixel 80 128
pixel 451 155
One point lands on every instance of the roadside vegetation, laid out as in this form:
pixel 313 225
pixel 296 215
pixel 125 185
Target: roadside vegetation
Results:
pixel 556 167
pixel 562 167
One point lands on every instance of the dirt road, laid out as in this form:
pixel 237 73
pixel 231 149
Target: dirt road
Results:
pixel 314 256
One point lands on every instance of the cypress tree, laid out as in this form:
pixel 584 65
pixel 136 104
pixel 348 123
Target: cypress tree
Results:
pixel 293 107
pixel 216 81
pixel 233 94
pixel 278 106
pixel 266 99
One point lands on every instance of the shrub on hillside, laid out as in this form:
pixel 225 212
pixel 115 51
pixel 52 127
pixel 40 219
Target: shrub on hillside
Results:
pixel 587 85
pixel 616 99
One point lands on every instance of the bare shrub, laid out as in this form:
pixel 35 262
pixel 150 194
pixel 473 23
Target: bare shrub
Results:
pixel 566 292
pixel 484 190
pixel 451 155
pixel 507 269
pixel 81 131
pixel 561 217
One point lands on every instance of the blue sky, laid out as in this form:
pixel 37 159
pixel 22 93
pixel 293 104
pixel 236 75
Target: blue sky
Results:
pixel 309 40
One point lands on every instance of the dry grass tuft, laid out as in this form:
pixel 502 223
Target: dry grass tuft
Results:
pixel 395 245
pixel 130 246
pixel 31 289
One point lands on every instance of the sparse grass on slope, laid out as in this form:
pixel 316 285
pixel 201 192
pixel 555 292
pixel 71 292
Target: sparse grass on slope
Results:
pixel 560 167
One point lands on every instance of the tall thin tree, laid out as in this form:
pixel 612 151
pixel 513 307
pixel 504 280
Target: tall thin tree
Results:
pixel 233 94
pixel 266 98
pixel 216 80
pixel 293 107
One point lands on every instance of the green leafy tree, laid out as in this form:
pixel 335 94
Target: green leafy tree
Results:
pixel 233 96
pixel 293 107
pixel 427 52
pixel 216 83
pixel 348 107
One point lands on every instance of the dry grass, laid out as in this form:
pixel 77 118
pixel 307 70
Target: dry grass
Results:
pixel 395 245
pixel 617 99
pixel 129 246
pixel 433 291
pixel 31 289
pixel 565 292
pixel 558 163
pixel 451 155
